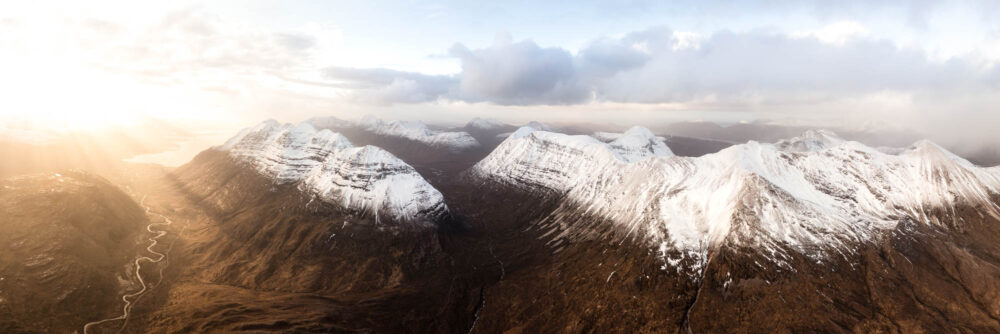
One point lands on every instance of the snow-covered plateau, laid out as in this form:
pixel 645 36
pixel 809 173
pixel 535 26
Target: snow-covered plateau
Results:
pixel 325 163
pixel 813 192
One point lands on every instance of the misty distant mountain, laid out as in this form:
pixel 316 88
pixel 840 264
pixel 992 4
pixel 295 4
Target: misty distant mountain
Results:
pixel 489 132
pixel 770 133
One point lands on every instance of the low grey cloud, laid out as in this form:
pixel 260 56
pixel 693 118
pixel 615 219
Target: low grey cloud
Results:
pixel 385 86
pixel 608 56
pixel 519 73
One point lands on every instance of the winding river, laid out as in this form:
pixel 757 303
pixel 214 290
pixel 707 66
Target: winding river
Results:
pixel 131 298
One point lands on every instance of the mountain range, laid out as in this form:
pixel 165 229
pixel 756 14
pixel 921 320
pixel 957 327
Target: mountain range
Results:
pixel 331 225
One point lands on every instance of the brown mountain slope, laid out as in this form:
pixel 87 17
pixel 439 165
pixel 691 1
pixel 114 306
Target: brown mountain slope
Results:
pixel 66 245
pixel 918 278
pixel 266 257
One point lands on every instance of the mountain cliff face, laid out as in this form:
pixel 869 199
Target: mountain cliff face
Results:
pixel 325 164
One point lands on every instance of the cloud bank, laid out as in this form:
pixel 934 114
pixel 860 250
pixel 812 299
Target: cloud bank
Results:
pixel 662 66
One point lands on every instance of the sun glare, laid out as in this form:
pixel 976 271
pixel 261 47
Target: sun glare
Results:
pixel 70 98
pixel 49 86
pixel 57 78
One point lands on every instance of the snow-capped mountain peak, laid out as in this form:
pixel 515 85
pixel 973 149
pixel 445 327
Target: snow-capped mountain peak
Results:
pixel 930 151
pixel 523 131
pixel 327 165
pixel 557 162
pixel 638 143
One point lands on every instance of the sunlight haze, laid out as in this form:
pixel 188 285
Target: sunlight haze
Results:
pixel 930 67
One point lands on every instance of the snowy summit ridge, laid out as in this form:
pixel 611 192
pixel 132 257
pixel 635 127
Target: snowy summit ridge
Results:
pixel 816 191
pixel 326 164
pixel 554 161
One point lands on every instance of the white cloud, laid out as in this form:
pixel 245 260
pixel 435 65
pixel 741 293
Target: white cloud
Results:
pixel 988 53
pixel 687 40
pixel 837 33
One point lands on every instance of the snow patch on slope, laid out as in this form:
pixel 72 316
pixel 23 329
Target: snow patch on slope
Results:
pixel 325 163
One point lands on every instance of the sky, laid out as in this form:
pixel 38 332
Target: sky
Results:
pixel 925 65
